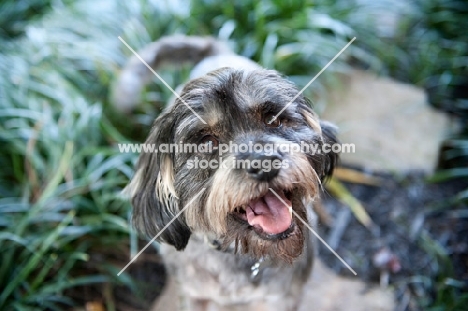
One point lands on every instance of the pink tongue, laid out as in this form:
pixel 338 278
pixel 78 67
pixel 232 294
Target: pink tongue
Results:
pixel 269 213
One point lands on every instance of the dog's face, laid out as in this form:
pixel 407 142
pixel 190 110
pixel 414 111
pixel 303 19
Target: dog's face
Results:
pixel 248 190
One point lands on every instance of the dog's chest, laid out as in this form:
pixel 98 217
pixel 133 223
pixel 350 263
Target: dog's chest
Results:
pixel 204 272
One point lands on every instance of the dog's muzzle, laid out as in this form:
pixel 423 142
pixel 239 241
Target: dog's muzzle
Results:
pixel 268 214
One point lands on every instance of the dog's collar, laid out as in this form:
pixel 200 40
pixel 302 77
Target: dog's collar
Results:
pixel 215 244
pixel 256 267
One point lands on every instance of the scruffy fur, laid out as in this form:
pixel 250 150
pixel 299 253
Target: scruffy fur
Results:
pixel 212 254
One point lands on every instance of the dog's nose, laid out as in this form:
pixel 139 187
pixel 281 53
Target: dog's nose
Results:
pixel 266 170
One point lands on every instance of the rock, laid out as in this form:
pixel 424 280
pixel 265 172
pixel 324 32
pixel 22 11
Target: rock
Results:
pixel 391 124
pixel 326 291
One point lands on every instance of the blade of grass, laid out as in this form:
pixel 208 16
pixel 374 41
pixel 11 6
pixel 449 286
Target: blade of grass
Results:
pixel 35 259
pixel 343 195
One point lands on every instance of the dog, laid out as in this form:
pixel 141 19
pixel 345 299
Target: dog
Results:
pixel 233 237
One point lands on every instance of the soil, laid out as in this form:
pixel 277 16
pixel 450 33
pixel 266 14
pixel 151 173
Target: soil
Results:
pixel 414 221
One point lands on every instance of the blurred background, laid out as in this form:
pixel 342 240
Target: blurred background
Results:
pixel 399 93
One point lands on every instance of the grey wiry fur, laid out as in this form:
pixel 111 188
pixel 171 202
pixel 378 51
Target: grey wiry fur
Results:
pixel 236 104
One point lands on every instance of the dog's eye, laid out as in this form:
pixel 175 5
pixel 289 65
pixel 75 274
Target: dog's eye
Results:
pixel 209 142
pixel 271 120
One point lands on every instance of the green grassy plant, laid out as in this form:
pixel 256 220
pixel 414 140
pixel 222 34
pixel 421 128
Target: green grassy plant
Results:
pixel 61 172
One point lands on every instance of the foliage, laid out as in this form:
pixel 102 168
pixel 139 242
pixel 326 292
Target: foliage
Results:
pixel 60 176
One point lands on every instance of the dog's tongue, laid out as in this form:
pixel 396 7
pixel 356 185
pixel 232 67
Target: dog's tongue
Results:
pixel 269 213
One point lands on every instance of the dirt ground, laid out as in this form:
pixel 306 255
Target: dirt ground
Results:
pixel 410 217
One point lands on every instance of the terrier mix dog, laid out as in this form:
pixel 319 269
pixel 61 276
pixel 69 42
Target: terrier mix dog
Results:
pixel 234 236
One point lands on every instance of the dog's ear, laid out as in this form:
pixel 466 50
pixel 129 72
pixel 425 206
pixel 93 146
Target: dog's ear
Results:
pixel 310 117
pixel 152 192
pixel 327 132
pixel 330 158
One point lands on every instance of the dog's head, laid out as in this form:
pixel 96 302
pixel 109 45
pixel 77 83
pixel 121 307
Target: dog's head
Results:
pixel 235 174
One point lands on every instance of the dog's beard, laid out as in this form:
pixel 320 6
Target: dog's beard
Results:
pixel 255 216
pixel 247 241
